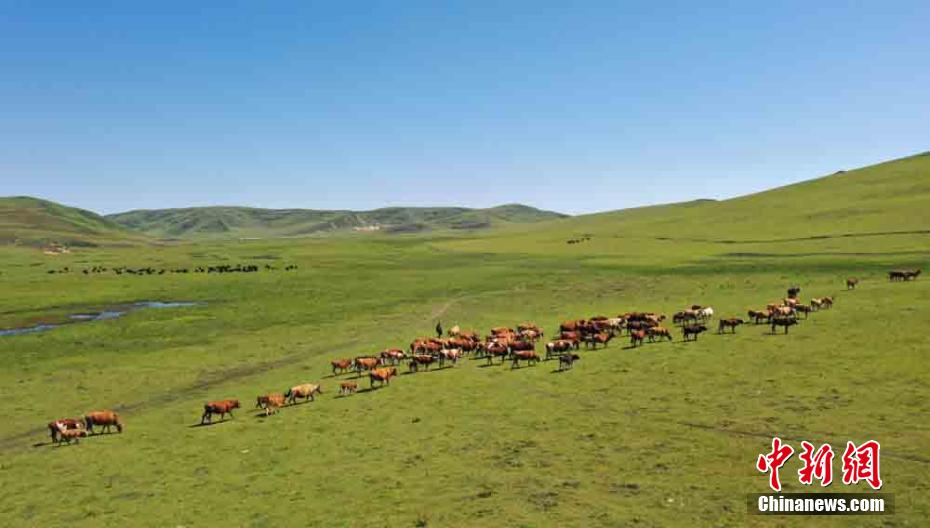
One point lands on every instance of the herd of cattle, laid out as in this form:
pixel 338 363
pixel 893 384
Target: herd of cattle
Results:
pixel 149 270
pixel 516 345
pixel 903 275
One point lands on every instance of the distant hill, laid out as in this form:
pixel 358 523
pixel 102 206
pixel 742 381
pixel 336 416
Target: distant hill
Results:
pixel 889 197
pixel 35 222
pixel 217 222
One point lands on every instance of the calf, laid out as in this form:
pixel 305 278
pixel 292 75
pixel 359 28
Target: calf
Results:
pixel 67 435
pixel 637 337
pixel 556 348
pixel 340 366
pixel 566 361
pixel 270 403
pixel 54 428
pixel 348 387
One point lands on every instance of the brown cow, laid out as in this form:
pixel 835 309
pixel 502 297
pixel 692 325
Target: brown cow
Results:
pixel 348 387
pixel 103 418
pixel 382 375
pixel 304 390
pixel 365 363
pixel 341 365
pixel 730 323
pixel 271 403
pixel 67 435
pixel 421 359
pixel 597 339
pixel 555 348
pixel 221 407
pixel 392 356
pixel 758 317
pixel 851 283
pixel 494 350
pixel 637 337
pixel 658 332
pixel 529 356
pixel 65 423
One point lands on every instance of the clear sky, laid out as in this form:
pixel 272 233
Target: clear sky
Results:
pixel 573 106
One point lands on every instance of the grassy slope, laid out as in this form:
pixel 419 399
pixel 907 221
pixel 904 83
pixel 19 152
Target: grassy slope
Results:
pixel 217 222
pixel 663 435
pixel 32 221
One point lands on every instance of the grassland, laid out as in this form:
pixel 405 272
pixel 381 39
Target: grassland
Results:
pixel 662 435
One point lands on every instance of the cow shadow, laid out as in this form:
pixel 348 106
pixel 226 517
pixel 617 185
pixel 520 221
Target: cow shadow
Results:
pixel 208 424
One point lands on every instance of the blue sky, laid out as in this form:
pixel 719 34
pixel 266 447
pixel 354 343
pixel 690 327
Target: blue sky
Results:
pixel 572 106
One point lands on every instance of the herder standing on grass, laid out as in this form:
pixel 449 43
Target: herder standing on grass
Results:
pixel 439 329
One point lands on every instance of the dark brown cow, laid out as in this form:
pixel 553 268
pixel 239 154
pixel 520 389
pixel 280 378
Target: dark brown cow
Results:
pixel 567 361
pixel 382 375
pixel 730 323
pixel 221 407
pixel 758 317
pixel 691 332
pixel 521 345
pixel 341 365
pixel 524 355
pixel 851 283
pixel 637 337
pixel 106 419
pixel 783 321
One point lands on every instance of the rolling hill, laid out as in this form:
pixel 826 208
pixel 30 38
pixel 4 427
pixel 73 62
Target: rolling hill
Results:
pixel 218 222
pixel 32 221
pixel 886 198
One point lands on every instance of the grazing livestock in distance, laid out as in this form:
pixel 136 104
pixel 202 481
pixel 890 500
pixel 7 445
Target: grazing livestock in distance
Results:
pixel 221 407
pixel 271 403
pixel 804 309
pixel 706 313
pixel 304 390
pixel 691 332
pixel 54 428
pixel 106 419
pixel 637 337
pixel 340 366
pixel 784 321
pixel 524 355
pixel 348 387
pixel 658 332
pixel 382 375
pixel 851 283
pixel 730 323
pixel 566 361
pixel 794 291
pixel 758 317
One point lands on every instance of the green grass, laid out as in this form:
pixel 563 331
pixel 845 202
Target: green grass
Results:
pixel 663 435
pixel 34 222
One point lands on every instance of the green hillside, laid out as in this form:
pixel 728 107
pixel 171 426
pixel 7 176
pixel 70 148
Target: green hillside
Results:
pixel 32 221
pixel 887 198
pixel 217 222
